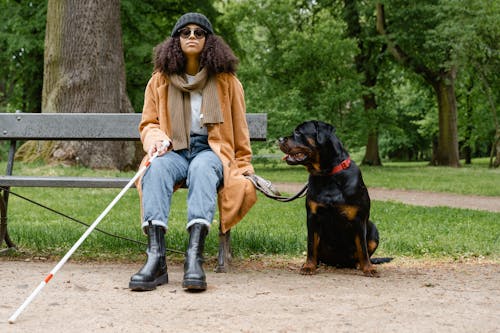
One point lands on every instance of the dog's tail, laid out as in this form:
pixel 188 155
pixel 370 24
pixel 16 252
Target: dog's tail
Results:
pixel 378 261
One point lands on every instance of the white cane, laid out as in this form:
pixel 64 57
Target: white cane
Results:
pixel 42 284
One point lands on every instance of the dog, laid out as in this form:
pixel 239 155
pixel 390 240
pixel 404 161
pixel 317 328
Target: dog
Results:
pixel 339 230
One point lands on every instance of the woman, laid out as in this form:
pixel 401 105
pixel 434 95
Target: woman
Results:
pixel 194 118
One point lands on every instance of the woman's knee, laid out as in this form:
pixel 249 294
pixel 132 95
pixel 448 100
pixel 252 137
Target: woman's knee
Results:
pixel 207 164
pixel 167 168
pixel 208 168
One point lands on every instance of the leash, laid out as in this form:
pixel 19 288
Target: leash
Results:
pixel 267 188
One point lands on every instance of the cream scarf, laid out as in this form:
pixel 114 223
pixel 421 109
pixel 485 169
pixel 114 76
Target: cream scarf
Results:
pixel 179 105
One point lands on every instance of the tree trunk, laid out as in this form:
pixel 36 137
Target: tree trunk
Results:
pixel 84 71
pixel 495 151
pixel 447 153
pixel 367 65
pixel 372 156
pixel 467 145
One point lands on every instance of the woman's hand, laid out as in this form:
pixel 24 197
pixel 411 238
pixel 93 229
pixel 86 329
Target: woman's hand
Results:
pixel 159 146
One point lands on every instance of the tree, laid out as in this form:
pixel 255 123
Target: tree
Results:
pixel 482 55
pixel 84 72
pixel 368 62
pixel 418 39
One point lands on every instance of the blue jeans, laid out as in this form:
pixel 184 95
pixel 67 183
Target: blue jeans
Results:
pixel 200 167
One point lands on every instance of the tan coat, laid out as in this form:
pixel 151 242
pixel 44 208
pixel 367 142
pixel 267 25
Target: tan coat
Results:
pixel 229 140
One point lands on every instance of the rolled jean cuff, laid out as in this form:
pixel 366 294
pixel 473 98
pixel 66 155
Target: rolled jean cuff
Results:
pixel 154 222
pixel 201 221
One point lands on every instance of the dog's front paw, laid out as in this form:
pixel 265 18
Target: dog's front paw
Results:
pixel 370 271
pixel 308 268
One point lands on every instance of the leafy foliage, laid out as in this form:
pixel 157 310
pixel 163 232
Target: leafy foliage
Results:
pixel 21 56
pixel 444 35
pixel 298 63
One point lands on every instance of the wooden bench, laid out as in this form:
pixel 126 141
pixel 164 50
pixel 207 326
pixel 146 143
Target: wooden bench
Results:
pixel 84 126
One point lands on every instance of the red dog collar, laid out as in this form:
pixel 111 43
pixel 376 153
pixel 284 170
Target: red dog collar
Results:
pixel 342 166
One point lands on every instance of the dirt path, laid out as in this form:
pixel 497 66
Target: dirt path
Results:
pixel 419 198
pixel 410 296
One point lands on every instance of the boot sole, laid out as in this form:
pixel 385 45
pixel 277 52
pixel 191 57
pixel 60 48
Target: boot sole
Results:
pixel 194 285
pixel 147 286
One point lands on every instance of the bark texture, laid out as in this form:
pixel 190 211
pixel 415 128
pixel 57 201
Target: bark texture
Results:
pixel 84 72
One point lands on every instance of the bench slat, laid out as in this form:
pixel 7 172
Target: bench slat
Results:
pixel 67 126
pixel 257 125
pixel 77 182
pixel 92 126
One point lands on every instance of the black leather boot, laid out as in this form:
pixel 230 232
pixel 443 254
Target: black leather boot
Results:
pixel 154 271
pixel 194 276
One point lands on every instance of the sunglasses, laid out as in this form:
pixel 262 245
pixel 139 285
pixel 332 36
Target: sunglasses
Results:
pixel 186 33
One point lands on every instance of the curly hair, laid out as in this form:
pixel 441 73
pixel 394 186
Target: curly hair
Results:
pixel 216 56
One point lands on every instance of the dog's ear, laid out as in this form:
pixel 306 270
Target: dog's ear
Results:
pixel 323 132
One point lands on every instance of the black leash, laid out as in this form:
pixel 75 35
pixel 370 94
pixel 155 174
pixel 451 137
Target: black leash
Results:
pixel 267 188
pixel 299 194
pixel 78 221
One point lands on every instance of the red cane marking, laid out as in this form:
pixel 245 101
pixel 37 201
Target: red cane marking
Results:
pixel 47 279
pixel 148 163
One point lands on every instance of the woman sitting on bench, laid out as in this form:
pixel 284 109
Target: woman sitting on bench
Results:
pixel 194 117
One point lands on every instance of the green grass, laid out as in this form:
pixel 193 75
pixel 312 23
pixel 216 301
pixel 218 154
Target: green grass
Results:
pixel 436 232
pixel 271 227
pixel 474 179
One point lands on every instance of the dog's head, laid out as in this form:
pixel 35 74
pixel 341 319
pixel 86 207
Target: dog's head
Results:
pixel 314 145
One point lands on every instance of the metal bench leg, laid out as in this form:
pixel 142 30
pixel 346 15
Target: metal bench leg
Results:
pixel 4 200
pixel 3 220
pixel 4 234
pixel 225 255
pixel 9 242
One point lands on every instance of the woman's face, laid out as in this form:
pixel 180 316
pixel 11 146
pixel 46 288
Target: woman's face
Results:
pixel 192 39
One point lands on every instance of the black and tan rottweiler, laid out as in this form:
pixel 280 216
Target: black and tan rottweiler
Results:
pixel 339 231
